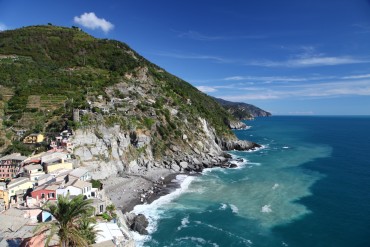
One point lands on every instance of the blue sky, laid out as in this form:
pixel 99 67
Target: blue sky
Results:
pixel 288 57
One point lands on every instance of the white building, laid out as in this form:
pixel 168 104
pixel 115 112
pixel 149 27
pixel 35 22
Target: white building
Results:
pixel 33 172
pixel 81 174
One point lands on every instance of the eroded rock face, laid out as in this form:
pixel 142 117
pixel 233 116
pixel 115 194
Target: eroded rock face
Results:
pixel 237 125
pixel 237 145
pixel 109 151
pixel 140 223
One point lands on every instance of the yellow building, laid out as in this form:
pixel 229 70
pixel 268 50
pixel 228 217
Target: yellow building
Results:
pixel 4 194
pixel 33 138
pixel 17 185
pixel 61 164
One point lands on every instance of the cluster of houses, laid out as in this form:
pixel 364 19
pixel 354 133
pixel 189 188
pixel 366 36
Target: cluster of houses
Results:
pixel 27 183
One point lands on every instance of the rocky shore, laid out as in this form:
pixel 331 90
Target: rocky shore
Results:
pixel 130 173
pixel 130 190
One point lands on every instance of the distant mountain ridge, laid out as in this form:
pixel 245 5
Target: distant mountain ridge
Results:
pixel 242 111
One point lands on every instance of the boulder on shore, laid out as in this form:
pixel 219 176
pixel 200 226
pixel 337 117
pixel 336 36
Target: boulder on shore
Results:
pixel 140 224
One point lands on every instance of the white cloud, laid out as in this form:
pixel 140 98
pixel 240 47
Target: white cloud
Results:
pixel 194 56
pixel 91 21
pixel 207 89
pixel 265 78
pixel 308 62
pixel 301 91
pixel 203 37
pixel 3 27
pixel 357 76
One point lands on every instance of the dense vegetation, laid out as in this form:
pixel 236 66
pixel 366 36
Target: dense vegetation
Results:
pixel 52 70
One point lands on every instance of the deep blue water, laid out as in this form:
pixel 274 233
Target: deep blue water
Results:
pixel 309 186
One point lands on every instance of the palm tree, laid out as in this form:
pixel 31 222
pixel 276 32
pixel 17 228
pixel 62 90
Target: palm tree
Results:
pixel 70 221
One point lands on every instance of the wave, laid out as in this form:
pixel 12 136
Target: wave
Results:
pixel 184 223
pixel 266 209
pixel 153 211
pixel 198 240
pixel 247 242
pixel 234 208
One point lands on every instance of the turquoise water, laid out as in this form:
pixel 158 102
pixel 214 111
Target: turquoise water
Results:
pixel 308 186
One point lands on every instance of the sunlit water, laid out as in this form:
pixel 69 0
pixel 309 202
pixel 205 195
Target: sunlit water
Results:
pixel 308 186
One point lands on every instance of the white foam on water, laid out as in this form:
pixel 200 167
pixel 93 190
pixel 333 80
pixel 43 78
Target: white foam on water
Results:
pixel 266 209
pixel 275 186
pixel 223 206
pixel 285 147
pixel 184 223
pixel 198 240
pixel 247 242
pixel 153 211
pixel 234 208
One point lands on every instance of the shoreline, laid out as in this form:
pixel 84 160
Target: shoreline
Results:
pixel 132 190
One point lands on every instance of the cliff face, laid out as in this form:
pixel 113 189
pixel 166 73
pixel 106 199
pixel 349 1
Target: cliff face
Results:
pixel 115 152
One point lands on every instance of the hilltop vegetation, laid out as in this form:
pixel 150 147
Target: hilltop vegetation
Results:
pixel 52 70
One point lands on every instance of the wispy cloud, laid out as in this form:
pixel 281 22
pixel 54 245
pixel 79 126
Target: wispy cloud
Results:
pixel 266 79
pixel 91 21
pixel 361 28
pixel 194 56
pixel 307 91
pixel 194 35
pixel 3 27
pixel 357 76
pixel 206 89
pixel 309 62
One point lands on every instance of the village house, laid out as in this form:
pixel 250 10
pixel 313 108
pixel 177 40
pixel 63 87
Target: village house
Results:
pixel 18 187
pixel 46 178
pixel 33 172
pixel 99 206
pixel 45 192
pixel 18 227
pixel 61 175
pixel 110 234
pixel 48 156
pixel 81 174
pixel 76 187
pixel 4 196
pixel 9 165
pixel 33 138
pixel 57 164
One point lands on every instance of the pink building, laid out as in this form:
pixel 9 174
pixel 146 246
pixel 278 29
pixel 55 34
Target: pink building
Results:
pixel 45 192
pixel 9 165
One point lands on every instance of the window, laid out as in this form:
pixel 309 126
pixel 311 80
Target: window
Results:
pixel 42 195
pixel 101 208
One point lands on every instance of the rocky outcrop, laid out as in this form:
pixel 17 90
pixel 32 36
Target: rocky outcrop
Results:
pixel 138 223
pixel 237 125
pixel 239 145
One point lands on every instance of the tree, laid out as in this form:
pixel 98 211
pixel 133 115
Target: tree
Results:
pixel 72 222
pixel 111 210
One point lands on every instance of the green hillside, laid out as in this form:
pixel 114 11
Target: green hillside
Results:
pixel 52 70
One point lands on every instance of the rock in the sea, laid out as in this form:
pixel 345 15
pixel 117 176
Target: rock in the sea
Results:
pixel 237 125
pixel 140 224
pixel 232 165
pixel 236 145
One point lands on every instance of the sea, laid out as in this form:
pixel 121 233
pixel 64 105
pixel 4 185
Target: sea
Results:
pixel 309 185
